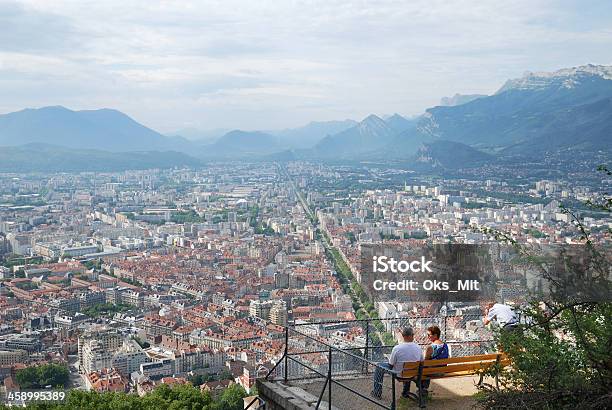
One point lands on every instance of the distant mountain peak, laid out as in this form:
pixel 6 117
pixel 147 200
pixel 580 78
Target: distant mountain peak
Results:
pixel 604 71
pixel 247 134
pixel 238 142
pixel 459 99
pixel 374 126
pixel 53 107
pixel 309 135
pixel 399 123
pixel 240 136
pixel 106 110
pixel 372 118
pixel 47 109
pixel 371 133
pixel 563 78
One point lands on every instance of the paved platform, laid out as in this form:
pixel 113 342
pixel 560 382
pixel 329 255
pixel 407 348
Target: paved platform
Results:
pixel 453 393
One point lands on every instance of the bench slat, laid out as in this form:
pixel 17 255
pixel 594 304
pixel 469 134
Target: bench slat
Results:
pixel 464 359
pixel 437 375
pixel 444 375
pixel 451 368
pixel 408 374
pixel 411 365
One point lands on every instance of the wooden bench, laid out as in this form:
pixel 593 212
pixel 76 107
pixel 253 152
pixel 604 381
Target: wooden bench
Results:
pixel 452 367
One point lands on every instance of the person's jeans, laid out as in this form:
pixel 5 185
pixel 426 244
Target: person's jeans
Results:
pixel 378 377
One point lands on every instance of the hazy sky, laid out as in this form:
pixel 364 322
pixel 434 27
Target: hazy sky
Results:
pixel 273 64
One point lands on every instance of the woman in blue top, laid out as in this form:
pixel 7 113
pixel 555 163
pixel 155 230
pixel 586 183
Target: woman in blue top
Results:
pixel 436 350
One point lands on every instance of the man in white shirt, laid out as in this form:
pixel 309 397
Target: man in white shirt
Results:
pixel 501 314
pixel 402 353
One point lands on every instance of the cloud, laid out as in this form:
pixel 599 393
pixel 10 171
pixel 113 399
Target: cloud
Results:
pixel 28 30
pixel 269 64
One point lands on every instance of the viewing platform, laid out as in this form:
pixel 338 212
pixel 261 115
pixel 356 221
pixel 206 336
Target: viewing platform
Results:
pixel 456 393
pixel 313 362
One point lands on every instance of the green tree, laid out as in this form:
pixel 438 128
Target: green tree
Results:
pixel 105 309
pixel 231 399
pixel 177 397
pixel 37 377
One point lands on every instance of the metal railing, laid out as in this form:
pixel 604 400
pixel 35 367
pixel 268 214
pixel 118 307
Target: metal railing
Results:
pixel 334 352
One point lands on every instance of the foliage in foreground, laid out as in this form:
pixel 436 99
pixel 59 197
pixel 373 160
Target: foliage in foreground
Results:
pixel 561 356
pixel 164 397
pixel 560 362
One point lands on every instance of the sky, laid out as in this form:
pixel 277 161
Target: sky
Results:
pixel 278 64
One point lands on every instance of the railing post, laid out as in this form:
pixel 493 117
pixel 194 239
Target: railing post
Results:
pixel 286 353
pixel 445 316
pixel 367 346
pixel 329 377
pixel 393 390
pixel 497 369
pixel 418 385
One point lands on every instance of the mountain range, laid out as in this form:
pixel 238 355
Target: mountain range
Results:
pixel 528 116
pixel 538 112
pixel 103 129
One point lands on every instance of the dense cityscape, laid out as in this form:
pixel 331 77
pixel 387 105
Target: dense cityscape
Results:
pixel 139 278
pixel 305 205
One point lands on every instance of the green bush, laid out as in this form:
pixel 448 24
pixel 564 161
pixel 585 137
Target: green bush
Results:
pixel 560 362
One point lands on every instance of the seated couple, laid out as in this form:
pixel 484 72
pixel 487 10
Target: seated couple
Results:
pixel 410 352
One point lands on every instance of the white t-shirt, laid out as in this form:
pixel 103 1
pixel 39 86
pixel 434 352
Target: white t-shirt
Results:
pixel 405 352
pixel 503 314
